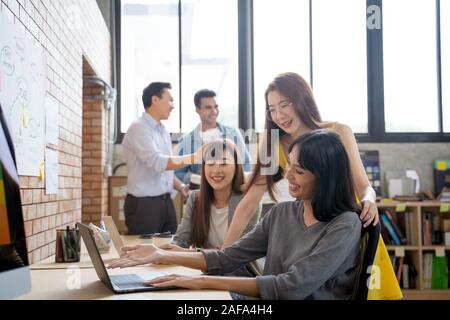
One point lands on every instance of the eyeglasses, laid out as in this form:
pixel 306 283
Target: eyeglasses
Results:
pixel 283 107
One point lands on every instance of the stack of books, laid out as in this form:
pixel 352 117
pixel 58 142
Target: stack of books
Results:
pixel 396 228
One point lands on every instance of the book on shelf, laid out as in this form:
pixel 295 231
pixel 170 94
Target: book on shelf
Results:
pixel 427 270
pixel 427 228
pixel 399 271
pixel 405 271
pixel 437 235
pixel 408 227
pixel 385 233
pixel 405 277
pixel 439 273
pixel 394 220
pixel 387 224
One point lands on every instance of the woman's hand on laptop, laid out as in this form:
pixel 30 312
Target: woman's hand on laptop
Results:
pixel 137 255
pixel 194 283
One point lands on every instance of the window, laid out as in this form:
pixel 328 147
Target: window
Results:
pixel 210 58
pixel 281 44
pixel 410 67
pixel 445 63
pixel 395 91
pixel 340 61
pixel 149 52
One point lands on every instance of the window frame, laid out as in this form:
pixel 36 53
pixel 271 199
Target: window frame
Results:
pixel 375 76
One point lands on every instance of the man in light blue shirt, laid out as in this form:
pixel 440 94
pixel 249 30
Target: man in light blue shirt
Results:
pixel 148 152
pixel 208 130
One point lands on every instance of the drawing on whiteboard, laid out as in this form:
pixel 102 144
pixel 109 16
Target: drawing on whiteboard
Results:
pixel 22 94
pixel 20 49
pixel 7 61
pixel 34 127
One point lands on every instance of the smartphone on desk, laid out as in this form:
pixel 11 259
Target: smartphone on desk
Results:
pixel 150 235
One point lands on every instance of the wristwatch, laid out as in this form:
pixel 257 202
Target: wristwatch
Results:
pixel 181 187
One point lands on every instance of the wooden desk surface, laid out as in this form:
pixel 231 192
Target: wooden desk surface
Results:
pixel 61 284
pixel 85 260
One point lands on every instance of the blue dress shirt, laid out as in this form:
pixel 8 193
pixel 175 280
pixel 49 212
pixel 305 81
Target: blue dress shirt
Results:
pixel 147 147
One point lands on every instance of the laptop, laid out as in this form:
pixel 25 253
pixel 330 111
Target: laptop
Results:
pixel 114 234
pixel 126 283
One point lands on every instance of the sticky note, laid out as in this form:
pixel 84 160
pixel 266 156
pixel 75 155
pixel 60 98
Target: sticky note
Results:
pixel 42 171
pixel 401 207
pixel 440 252
pixel 442 165
pixel 399 251
pixel 445 207
pixel 26 119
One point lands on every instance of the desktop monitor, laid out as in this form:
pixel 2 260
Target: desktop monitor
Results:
pixel 14 271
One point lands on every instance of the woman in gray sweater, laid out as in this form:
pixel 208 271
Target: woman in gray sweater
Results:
pixel 311 245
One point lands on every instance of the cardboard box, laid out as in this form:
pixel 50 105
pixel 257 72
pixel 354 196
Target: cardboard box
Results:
pixel 117 194
pixel 446 225
pixel 447 238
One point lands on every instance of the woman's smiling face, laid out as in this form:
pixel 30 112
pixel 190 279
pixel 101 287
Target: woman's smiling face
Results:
pixel 220 172
pixel 302 183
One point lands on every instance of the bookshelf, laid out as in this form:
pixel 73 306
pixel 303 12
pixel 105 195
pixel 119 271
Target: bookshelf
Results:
pixel 415 250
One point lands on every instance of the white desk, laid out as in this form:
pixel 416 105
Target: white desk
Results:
pixel 58 281
pixel 60 284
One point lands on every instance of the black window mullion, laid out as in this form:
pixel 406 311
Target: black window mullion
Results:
pixel 180 62
pixel 439 66
pixel 246 74
pixel 375 79
pixel 118 48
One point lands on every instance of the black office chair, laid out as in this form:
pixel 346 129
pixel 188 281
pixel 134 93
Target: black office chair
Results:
pixel 368 248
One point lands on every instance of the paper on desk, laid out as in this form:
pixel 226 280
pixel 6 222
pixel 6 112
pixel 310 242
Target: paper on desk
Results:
pixel 395 187
pixel 51 171
pixel 412 174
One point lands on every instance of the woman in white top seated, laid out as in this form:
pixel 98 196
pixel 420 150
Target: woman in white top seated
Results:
pixel 210 210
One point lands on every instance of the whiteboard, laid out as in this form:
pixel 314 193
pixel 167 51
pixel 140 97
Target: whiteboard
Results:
pixel 22 95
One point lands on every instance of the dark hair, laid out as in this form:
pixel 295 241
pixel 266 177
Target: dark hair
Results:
pixel 292 86
pixel 201 214
pixel 154 89
pixel 204 93
pixel 322 153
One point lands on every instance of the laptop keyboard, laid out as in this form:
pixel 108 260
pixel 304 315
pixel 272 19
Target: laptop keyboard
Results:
pixel 127 281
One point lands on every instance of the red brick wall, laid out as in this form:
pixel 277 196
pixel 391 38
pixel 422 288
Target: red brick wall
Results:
pixel 68 30
pixel 94 182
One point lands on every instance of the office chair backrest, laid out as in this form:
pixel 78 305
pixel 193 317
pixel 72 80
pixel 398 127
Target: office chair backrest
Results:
pixel 368 248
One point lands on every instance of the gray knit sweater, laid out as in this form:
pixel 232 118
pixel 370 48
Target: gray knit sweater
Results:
pixel 316 262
